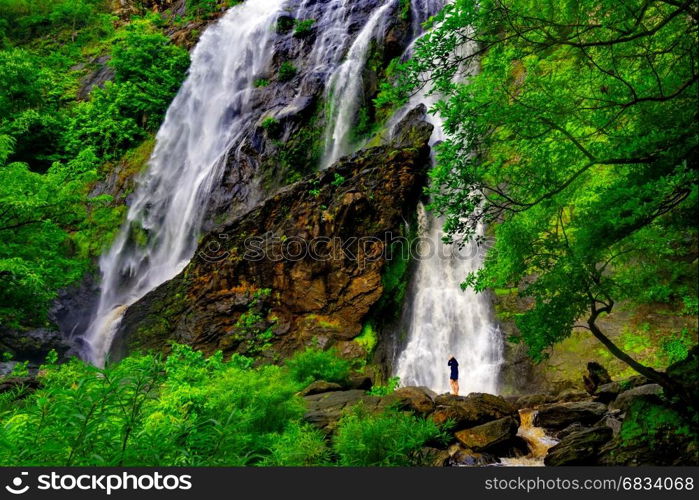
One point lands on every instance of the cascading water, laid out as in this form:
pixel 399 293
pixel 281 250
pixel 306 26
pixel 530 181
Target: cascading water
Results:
pixel 345 87
pixel 209 112
pixel 440 319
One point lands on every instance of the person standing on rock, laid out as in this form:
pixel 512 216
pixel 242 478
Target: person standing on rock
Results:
pixel 454 377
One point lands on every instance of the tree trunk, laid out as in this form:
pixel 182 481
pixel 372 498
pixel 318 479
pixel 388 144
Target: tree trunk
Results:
pixel 671 387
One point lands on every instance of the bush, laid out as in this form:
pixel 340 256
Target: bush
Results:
pixel 287 71
pixel 303 27
pixel 313 364
pixel 187 410
pixel 388 439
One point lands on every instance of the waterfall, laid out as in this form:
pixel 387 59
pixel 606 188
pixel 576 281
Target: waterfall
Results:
pixel 344 90
pixel 206 117
pixel 439 319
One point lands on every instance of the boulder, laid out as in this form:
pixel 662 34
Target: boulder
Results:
pixel 533 400
pixel 561 415
pixel 579 448
pixel 432 457
pixel 417 399
pixel 653 432
pixel 319 387
pixel 490 435
pixel 596 375
pixel 572 395
pixel 471 410
pixel 464 457
pixel 361 382
pixel 608 392
pixel 624 399
pixel 574 427
pixel 324 410
pixel 33 345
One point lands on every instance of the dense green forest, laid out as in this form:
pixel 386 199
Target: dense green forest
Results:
pixel 572 133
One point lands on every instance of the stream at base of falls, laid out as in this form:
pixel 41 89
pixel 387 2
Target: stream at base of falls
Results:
pixel 537 440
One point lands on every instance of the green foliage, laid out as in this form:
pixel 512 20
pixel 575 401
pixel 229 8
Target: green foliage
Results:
pixel 390 439
pixel 676 348
pixel 52 148
pixel 284 24
pixel 313 364
pixel 303 27
pixel 299 446
pixel 368 338
pixel 189 410
pixel 186 410
pixel 577 141
pixel 261 82
pixel 253 330
pixel 647 421
pixel 287 71
pixel 338 180
pixel 384 390
pixel 148 73
pixel 272 126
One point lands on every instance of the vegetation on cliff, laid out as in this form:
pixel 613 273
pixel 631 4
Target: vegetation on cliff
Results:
pixel 80 88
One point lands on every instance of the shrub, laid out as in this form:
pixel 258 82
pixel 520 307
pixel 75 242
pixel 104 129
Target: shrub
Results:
pixel 313 364
pixel 303 27
pixel 287 71
pixel 388 439
pixel 272 126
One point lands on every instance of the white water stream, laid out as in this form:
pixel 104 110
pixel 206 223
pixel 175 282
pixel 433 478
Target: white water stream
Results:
pixel 169 204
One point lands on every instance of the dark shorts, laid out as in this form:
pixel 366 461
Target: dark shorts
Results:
pixel 454 379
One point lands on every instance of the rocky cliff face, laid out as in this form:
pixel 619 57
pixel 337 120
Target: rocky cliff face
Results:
pixel 302 268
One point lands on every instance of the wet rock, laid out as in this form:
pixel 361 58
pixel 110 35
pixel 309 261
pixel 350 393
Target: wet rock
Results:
pixel 574 427
pixel 608 392
pixel 611 421
pixel 471 410
pixel 533 400
pixel 464 457
pixel 560 415
pixel 432 457
pixel 360 382
pixel 33 345
pixel 572 395
pixel 14 383
pixel 490 435
pixel 579 448
pixel 418 399
pixel 626 398
pixel 326 409
pixel 319 387
pixel 102 74
pixel 413 126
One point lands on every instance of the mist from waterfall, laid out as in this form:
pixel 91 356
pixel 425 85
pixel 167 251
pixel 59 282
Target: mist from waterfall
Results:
pixel 209 112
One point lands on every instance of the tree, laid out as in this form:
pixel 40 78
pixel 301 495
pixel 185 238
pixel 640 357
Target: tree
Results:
pixel 577 142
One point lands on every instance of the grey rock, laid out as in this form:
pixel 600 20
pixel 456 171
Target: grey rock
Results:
pixel 561 415
pixel 579 448
pixel 624 399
